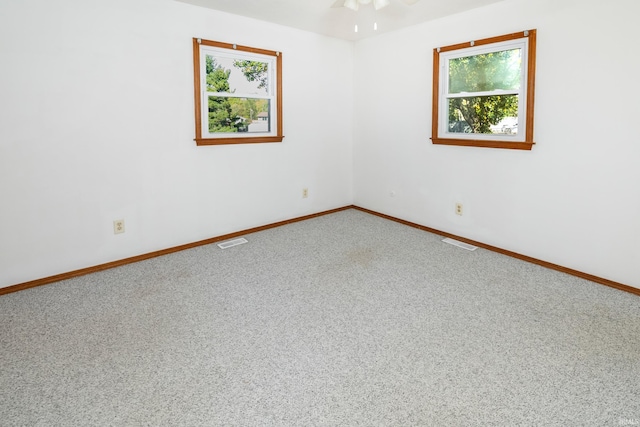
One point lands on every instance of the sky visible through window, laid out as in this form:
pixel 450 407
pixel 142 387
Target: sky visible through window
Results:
pixel 238 82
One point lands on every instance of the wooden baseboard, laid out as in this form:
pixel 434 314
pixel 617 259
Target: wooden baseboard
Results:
pixel 95 268
pixel 546 264
pixel 88 270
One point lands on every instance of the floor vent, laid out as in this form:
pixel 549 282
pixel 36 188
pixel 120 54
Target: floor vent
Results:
pixel 460 244
pixel 230 243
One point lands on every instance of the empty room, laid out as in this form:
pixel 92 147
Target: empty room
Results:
pixel 319 212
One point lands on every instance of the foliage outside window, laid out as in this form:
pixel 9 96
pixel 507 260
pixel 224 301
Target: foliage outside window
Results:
pixel 238 94
pixel 483 92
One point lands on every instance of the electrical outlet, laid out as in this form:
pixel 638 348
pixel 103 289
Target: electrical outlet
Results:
pixel 459 209
pixel 118 226
pixel 305 193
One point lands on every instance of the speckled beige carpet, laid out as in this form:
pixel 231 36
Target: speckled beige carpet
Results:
pixel 343 320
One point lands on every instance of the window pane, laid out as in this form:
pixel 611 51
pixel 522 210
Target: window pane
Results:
pixel 485 72
pixel 231 75
pixel 484 114
pixel 230 115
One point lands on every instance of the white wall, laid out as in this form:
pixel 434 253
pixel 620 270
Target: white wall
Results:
pixel 573 200
pixel 96 124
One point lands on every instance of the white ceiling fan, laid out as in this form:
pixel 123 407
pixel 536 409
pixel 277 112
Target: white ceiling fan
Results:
pixel 377 4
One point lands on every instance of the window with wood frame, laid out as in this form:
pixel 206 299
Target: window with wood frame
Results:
pixel 483 92
pixel 238 93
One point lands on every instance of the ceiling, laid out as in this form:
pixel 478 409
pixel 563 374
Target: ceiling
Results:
pixel 319 17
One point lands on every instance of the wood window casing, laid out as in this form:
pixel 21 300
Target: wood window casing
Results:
pixel 528 142
pixel 276 136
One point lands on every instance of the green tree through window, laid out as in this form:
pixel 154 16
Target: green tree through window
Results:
pixel 484 73
pixel 222 118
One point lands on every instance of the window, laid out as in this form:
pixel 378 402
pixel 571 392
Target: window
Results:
pixel 238 94
pixel 483 92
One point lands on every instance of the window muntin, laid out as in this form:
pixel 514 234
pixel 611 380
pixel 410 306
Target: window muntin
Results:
pixel 483 92
pixel 238 94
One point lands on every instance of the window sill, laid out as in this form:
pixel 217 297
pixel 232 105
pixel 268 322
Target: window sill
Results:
pixel 248 140
pixel 484 143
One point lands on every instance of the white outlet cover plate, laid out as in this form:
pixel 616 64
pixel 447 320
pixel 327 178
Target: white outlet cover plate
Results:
pixel 118 226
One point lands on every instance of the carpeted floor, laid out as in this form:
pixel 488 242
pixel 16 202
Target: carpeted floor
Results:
pixel 342 320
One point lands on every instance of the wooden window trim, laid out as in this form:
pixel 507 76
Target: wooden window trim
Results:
pixel 200 140
pixel 528 143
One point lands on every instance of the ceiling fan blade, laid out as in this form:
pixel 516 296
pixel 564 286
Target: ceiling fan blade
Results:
pixel 351 4
pixel 379 4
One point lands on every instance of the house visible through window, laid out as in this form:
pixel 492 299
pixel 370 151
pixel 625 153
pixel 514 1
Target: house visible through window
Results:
pixel 238 94
pixel 483 92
